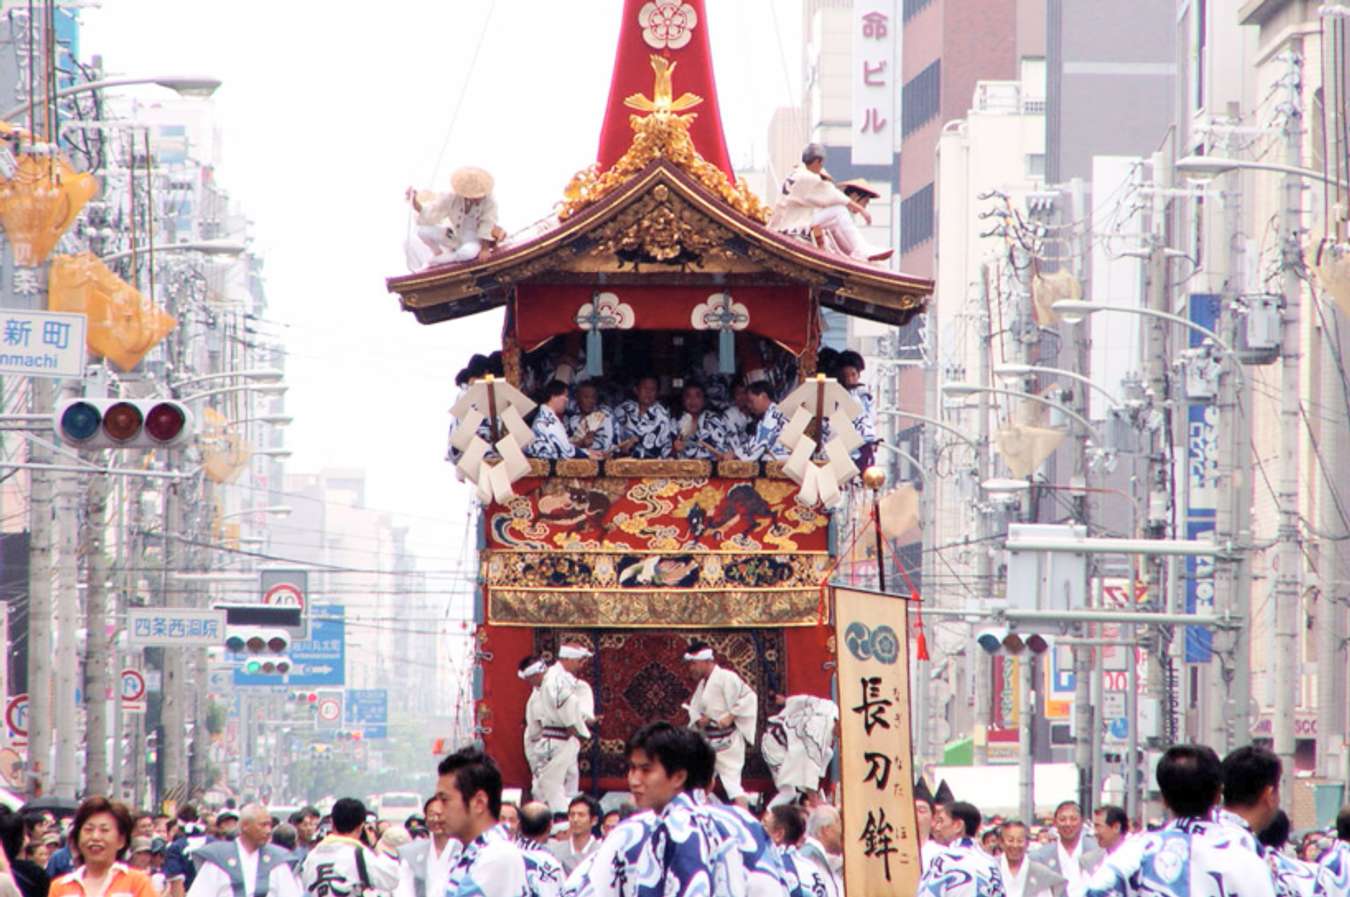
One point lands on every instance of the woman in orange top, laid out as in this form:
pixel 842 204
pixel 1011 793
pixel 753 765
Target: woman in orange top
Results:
pixel 102 831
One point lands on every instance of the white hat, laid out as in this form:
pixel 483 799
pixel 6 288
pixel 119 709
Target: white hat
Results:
pixel 471 182
pixel 574 652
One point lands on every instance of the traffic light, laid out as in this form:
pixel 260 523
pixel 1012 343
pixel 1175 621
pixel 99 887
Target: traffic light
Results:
pixel 94 423
pixel 996 640
pixel 264 649
pixel 308 699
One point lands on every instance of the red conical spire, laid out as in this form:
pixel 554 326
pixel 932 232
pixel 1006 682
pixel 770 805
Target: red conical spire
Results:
pixel 677 30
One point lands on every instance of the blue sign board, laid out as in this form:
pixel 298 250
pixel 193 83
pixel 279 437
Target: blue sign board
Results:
pixel 369 709
pixel 1202 493
pixel 318 660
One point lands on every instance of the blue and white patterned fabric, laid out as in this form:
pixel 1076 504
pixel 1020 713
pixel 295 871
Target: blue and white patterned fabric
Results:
pixel 1293 877
pixel 653 429
pixel 544 875
pixel 1187 858
pixel 490 866
pixel 708 439
pixel 1242 832
pixel 804 877
pixel 600 422
pixel 762 861
pixel 1333 878
pixel 961 870
pixel 621 861
pixel 764 444
pixel 550 437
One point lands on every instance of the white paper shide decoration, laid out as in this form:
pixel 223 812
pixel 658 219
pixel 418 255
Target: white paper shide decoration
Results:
pixel 829 400
pixel 482 401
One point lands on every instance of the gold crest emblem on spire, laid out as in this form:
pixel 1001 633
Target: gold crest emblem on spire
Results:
pixel 663 92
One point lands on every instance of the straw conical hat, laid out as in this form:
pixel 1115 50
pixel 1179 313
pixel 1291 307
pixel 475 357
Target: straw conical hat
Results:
pixel 470 182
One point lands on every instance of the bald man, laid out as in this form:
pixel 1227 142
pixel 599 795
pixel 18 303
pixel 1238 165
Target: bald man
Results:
pixel 248 866
pixel 543 871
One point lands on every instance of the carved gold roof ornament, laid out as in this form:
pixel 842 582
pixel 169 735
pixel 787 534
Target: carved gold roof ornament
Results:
pixel 661 132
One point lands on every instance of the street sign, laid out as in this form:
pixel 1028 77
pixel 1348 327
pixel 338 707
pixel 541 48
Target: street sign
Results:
pixel 318 660
pixel 16 719
pixel 285 594
pixel 132 691
pixel 42 344
pixel 1113 704
pixel 286 588
pixel 175 627
pixel 369 709
pixel 329 710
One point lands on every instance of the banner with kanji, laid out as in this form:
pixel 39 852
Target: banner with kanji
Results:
pixel 881 846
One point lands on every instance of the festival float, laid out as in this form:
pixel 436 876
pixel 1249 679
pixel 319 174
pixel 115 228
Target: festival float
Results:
pixel 657 261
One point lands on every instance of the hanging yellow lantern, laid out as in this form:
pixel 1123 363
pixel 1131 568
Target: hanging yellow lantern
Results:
pixel 39 204
pixel 124 324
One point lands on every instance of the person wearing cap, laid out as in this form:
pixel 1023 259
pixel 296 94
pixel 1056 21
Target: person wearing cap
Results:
pixel 458 226
pixel 248 865
pixel 724 709
pixel 811 203
pixel 557 720
pixel 227 824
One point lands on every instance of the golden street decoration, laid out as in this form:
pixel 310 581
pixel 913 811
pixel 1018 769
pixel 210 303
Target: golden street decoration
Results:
pixel 124 324
pixel 40 203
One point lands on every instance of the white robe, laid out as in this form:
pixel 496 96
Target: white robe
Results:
pixel 562 702
pixel 799 742
pixel 723 693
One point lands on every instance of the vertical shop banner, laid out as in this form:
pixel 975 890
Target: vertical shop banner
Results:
pixel 881 848
pixel 875 81
pixel 1202 486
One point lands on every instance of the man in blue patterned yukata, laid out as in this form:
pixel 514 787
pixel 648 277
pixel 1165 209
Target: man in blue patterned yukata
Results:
pixel 550 436
pixel 645 429
pixel 589 423
pixel 544 874
pixel 804 875
pixel 1251 798
pixel 763 444
pixel 848 371
pixel 701 432
pixel 1192 856
pixel 491 865
pixel 961 869
pixel 1334 870
pixel 1292 875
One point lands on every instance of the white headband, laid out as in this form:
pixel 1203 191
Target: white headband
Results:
pixel 705 654
pixel 533 669
pixel 573 652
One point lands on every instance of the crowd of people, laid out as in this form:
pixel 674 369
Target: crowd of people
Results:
pixel 1227 837
pixel 715 420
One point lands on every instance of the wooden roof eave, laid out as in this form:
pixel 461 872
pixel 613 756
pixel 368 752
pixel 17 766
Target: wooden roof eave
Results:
pixel 854 288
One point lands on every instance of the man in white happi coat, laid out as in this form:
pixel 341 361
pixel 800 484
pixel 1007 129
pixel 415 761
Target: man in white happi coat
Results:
pixel 557 719
pixel 458 226
pixel 810 201
pixel 725 710
pixel 799 744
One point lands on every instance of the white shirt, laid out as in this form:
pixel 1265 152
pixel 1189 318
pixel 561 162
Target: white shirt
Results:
pixel 213 881
pixel 1071 864
pixel 723 693
pixel 1014 883
pixel 437 871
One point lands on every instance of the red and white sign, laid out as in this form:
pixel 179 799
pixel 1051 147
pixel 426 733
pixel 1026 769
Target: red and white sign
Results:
pixel 284 594
pixel 16 719
pixel 132 691
pixel 330 710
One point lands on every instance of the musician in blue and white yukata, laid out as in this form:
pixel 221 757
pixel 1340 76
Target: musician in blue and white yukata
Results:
pixel 550 436
pixel 645 429
pixel 589 424
pixel 492 865
pixel 1292 876
pixel 762 444
pixel 804 872
pixel 1251 798
pixel 701 432
pixel 544 873
pixel 962 869
pixel 1334 870
pixel 1192 856
pixel 848 371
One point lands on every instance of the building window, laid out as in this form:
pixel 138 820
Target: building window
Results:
pixel 919 99
pixel 916 218
pixel 1036 165
pixel 914 7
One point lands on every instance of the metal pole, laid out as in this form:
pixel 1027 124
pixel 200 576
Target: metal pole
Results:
pixel 98 647
pixel 983 565
pixel 876 526
pixel 66 781
pixel 172 748
pixel 40 723
pixel 1026 734
pixel 1288 577
pixel 1132 704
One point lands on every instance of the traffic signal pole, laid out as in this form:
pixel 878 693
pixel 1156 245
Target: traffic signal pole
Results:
pixel 98 646
pixel 40 600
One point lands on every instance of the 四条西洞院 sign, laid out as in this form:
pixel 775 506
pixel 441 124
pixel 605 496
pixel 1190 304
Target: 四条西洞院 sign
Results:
pixel 42 344
pixel 173 626
pixel 881 843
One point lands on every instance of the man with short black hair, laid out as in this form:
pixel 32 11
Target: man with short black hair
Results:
pixel 1192 854
pixel 961 869
pixel 179 870
pixel 1073 853
pixel 1251 794
pixel 1110 826
pixel 470 790
pixel 1334 869
pixel 761 442
pixel 802 872
pixel 1292 876
pixel 424 864
pixel 341 863
pixel 580 841
pixel 306 822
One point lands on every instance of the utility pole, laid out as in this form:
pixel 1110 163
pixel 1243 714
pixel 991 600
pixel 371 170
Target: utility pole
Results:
pixel 172 744
pixel 98 647
pixel 66 781
pixel 40 722
pixel 1288 576
pixel 983 562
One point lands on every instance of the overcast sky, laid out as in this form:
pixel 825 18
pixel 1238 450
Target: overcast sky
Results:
pixel 329 110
